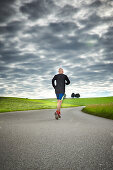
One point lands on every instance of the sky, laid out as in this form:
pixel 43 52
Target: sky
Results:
pixel 37 37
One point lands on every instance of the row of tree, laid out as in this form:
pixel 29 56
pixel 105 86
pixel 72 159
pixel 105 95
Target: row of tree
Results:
pixel 77 95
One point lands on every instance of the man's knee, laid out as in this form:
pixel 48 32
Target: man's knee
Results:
pixel 60 101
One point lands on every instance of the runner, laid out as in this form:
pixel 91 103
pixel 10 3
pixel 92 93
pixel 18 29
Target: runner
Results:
pixel 61 80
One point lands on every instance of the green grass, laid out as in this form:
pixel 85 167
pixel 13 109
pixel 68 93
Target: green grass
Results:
pixel 88 101
pixel 101 110
pixel 100 106
pixel 8 104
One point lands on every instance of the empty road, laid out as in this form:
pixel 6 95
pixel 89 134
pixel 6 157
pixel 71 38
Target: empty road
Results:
pixel 34 140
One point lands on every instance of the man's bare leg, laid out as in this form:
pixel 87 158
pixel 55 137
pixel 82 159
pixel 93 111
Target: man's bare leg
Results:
pixel 59 105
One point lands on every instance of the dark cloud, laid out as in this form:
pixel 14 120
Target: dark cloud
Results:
pixel 1 45
pixel 67 11
pixel 96 4
pixel 11 27
pixel 92 21
pixel 38 8
pixel 6 10
pixel 62 27
pixel 109 33
pixel 14 57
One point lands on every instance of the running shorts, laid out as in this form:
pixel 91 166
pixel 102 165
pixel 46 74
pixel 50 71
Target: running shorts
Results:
pixel 60 96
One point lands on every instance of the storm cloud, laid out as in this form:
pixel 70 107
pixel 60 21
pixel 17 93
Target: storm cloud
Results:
pixel 39 36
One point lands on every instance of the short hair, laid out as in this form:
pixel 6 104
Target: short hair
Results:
pixel 60 68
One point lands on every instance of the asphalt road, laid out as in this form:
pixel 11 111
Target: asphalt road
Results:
pixel 34 140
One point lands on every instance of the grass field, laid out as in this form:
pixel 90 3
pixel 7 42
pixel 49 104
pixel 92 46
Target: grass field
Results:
pixel 102 106
pixel 8 104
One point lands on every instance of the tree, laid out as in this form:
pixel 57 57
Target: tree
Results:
pixel 73 95
pixel 77 95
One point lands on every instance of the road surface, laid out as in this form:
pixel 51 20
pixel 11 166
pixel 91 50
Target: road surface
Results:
pixel 34 140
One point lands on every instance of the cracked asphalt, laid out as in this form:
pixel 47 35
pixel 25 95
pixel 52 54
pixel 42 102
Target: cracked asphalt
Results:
pixel 35 140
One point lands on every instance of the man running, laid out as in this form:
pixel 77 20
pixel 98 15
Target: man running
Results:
pixel 61 80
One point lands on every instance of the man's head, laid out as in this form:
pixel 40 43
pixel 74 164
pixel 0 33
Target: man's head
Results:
pixel 60 71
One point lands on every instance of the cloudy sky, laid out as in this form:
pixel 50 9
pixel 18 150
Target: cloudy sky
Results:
pixel 39 36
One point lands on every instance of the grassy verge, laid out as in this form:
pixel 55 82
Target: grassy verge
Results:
pixel 101 110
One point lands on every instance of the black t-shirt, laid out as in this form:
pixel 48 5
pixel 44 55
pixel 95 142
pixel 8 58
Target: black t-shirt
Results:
pixel 61 80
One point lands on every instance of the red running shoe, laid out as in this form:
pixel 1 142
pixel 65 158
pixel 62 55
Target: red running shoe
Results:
pixel 59 114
